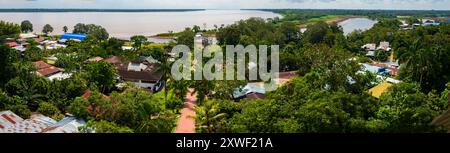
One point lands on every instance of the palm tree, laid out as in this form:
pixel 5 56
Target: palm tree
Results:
pixel 180 87
pixel 165 67
pixel 208 116
pixel 421 62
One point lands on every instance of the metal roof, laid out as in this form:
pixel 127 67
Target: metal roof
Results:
pixel 38 123
pixel 35 124
pixel 378 90
pixel 8 119
pixel 69 36
pixel 248 89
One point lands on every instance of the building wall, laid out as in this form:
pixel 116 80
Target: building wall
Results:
pixel 144 85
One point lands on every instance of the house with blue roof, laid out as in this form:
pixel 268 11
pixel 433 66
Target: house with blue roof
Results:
pixel 72 36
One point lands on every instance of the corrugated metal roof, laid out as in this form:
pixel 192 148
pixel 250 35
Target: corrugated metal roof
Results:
pixel 248 89
pixel 35 124
pixel 66 125
pixel 8 119
pixel 38 123
pixel 378 90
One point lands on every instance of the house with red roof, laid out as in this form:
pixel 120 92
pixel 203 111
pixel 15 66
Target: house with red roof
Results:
pixel 49 71
pixel 12 44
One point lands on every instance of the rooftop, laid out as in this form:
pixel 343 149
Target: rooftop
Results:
pixel 378 90
pixel 149 74
pixel 37 123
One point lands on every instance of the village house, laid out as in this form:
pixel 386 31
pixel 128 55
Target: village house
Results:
pixel 38 123
pixel 369 47
pixel 72 36
pixel 430 22
pixel 27 35
pixel 251 91
pixel 50 72
pixel 200 39
pixel 142 73
pixel 384 45
pixel 256 90
pixel 51 44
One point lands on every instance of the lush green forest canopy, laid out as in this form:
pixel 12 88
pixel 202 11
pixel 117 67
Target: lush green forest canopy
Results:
pixel 302 14
pixel 322 99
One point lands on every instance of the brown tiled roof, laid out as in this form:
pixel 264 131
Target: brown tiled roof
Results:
pixel 48 71
pixel 148 75
pixel 41 65
pixel 45 69
pixel 287 75
pixel 254 96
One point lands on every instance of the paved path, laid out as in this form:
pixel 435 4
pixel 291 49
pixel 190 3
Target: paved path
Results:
pixel 186 124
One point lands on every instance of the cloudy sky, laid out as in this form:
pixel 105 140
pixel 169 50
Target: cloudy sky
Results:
pixel 229 4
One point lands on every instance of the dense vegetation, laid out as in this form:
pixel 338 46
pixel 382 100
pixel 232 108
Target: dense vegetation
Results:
pixel 323 99
pixel 304 14
pixel 330 95
pixel 90 93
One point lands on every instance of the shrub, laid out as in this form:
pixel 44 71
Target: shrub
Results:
pixel 21 110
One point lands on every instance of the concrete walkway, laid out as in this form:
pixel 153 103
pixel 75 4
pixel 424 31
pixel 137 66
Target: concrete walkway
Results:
pixel 186 124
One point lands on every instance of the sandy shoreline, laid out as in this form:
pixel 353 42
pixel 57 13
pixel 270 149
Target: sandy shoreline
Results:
pixel 332 21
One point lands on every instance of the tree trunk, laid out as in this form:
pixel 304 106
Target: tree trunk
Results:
pixel 165 89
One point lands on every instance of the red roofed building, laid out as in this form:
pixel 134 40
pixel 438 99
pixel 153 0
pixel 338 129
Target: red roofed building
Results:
pixel 41 65
pixel 12 44
pixel 45 69
pixel 49 71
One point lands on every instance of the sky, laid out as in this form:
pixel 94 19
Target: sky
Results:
pixel 230 4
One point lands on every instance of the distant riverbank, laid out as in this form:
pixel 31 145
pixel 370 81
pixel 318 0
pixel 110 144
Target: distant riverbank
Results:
pixel 330 19
pixel 99 10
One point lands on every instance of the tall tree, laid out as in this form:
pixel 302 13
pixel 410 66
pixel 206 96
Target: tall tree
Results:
pixel 34 53
pixel 316 33
pixel 186 38
pixel 165 67
pixel 138 40
pixel 26 26
pixel 290 31
pixel 406 109
pixel 102 74
pixel 208 117
pixel 65 29
pixel 8 57
pixel 196 28
pixel 96 31
pixel 47 29
pixel 9 30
